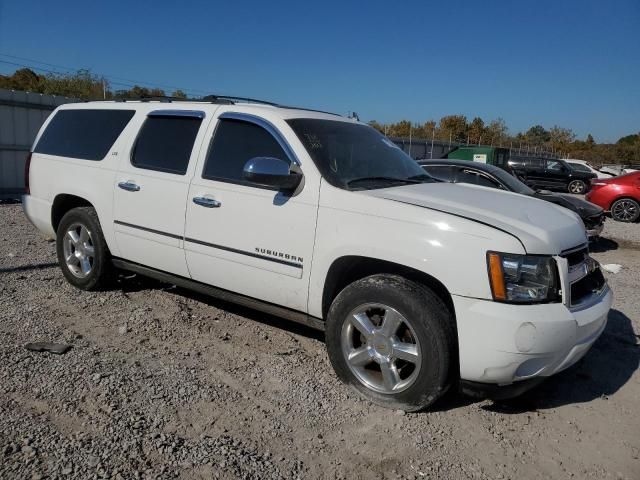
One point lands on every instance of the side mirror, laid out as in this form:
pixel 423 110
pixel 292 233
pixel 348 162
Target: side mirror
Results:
pixel 271 172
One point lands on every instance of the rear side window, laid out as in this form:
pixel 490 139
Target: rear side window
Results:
pixel 234 143
pixel 535 163
pixel 83 134
pixel 440 172
pixel 165 143
pixel 475 178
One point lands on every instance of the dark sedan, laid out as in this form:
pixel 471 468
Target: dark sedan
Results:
pixel 463 171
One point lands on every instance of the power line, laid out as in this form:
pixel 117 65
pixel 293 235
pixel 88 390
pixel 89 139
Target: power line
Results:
pixel 112 79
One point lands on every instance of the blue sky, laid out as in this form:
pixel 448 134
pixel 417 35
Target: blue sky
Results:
pixel 570 63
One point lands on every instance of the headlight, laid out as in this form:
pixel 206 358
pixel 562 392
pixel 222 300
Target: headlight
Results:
pixel 523 278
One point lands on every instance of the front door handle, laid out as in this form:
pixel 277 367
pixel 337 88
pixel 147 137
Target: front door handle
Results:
pixel 207 202
pixel 129 186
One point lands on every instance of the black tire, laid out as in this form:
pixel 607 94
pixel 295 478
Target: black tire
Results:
pixel 625 210
pixel 434 330
pixel 101 274
pixel 577 186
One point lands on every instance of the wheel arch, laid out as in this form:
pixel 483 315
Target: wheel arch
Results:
pixel 623 196
pixel 350 268
pixel 62 203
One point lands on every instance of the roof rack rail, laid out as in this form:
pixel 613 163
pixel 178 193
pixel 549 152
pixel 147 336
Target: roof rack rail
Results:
pixel 233 99
pixel 218 99
pixel 169 99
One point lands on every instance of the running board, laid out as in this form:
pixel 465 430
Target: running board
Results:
pixel 226 295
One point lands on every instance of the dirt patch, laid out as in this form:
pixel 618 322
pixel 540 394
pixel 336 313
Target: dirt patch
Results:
pixel 163 383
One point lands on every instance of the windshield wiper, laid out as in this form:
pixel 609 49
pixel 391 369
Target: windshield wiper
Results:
pixel 381 179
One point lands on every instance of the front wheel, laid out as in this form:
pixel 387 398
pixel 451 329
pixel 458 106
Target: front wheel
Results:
pixel 577 186
pixel 83 254
pixel 393 340
pixel 625 210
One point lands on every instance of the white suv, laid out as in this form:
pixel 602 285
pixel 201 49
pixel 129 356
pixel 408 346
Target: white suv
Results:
pixel 419 285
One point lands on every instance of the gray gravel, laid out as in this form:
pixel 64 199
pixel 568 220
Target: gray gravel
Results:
pixel 163 383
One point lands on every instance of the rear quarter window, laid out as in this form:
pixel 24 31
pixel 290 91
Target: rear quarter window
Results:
pixel 165 143
pixel 83 134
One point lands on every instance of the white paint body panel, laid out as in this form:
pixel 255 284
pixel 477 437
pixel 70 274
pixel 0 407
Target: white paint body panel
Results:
pixel 443 230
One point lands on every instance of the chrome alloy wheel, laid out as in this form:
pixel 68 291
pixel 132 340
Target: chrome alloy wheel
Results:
pixel 577 186
pixel 78 250
pixel 381 348
pixel 624 210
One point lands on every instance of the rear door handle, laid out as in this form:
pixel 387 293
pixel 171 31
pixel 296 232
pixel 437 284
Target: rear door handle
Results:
pixel 129 186
pixel 207 202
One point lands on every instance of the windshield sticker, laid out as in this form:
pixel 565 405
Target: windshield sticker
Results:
pixel 313 141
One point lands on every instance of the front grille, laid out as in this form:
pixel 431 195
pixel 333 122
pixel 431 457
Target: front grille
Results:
pixel 577 257
pixel 587 286
pixel 594 221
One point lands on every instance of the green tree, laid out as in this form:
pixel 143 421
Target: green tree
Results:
pixel 537 135
pixel 179 94
pixel 476 131
pixel 400 129
pixel 629 139
pixel 453 127
pixel 496 132
pixel 560 138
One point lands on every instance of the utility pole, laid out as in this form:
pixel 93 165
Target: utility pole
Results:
pixel 433 133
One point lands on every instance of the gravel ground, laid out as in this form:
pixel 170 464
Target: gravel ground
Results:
pixel 163 383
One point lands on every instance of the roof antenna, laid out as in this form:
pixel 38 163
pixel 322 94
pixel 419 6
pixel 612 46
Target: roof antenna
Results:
pixel 355 116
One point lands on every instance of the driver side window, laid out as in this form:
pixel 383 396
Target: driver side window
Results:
pixel 476 178
pixel 554 165
pixel 234 143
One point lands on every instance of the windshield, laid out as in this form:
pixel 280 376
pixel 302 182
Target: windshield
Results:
pixel 512 183
pixel 579 167
pixel 355 156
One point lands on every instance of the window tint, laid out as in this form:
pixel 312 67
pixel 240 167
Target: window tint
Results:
pixel 84 134
pixel 475 178
pixel 554 165
pixel 535 163
pixel 345 152
pixel 234 143
pixel 579 167
pixel 440 172
pixel 165 143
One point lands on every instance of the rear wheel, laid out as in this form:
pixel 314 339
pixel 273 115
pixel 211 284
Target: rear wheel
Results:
pixel 625 210
pixel 577 186
pixel 393 340
pixel 83 254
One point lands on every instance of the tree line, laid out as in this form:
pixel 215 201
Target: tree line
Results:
pixel 82 85
pixel 559 141
pixel 451 128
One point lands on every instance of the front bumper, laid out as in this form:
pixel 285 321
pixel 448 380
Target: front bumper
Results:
pixel 594 225
pixel 502 343
pixel 595 231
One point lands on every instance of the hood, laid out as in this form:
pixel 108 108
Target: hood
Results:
pixel 541 227
pixel 581 207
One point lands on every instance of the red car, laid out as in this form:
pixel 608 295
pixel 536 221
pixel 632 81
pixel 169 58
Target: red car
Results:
pixel 619 195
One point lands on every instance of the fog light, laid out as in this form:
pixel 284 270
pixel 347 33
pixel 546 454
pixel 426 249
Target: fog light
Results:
pixel 526 337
